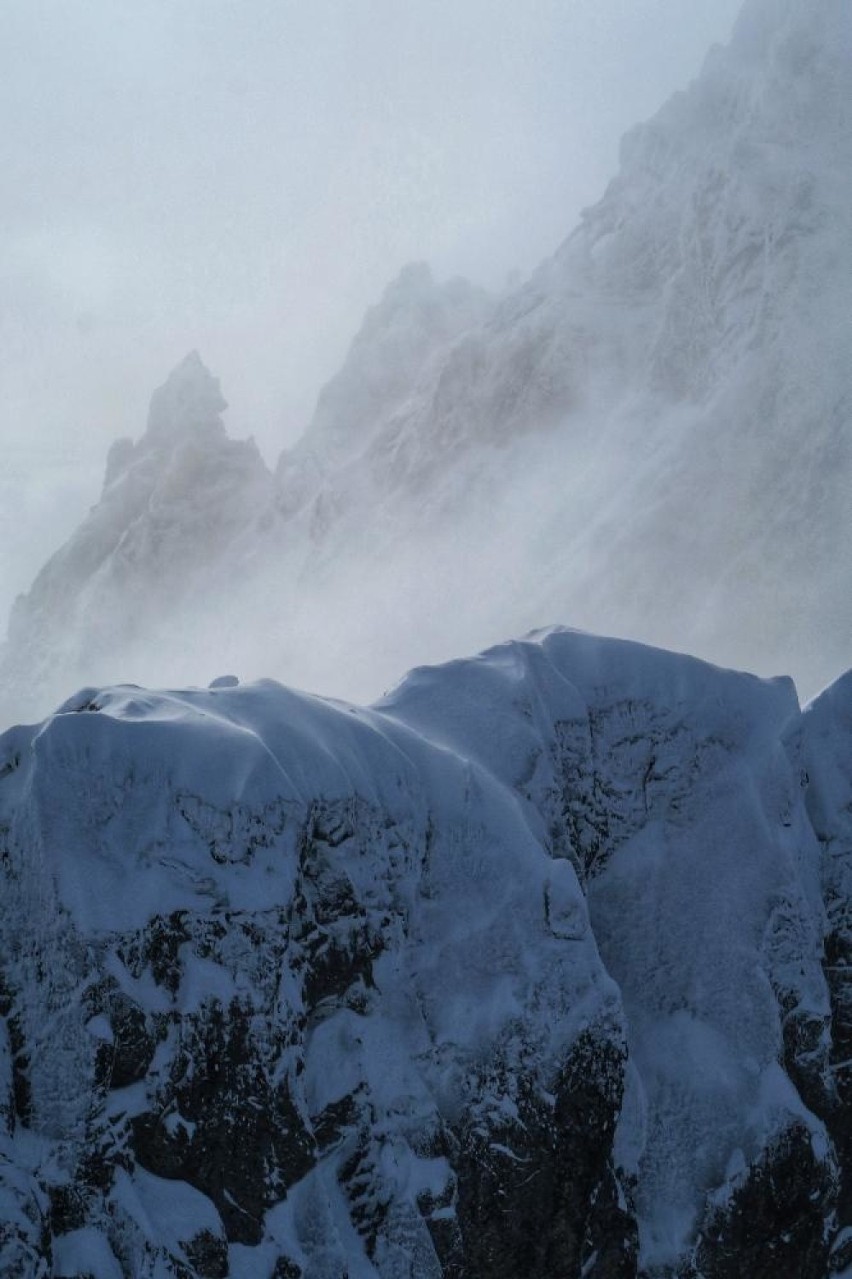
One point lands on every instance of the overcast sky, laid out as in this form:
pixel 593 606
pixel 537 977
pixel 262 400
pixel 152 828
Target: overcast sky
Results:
pixel 245 176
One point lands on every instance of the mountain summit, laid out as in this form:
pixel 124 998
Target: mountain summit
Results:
pixel 189 400
pixel 171 503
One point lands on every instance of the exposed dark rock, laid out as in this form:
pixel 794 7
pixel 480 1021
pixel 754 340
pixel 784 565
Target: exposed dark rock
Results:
pixel 16 1104
pixel 223 1124
pixel 538 1197
pixel 69 1207
pixel 126 1058
pixel 775 1221
pixel 208 1255
pixel 286 1269
pixel 332 1122
pixel 158 947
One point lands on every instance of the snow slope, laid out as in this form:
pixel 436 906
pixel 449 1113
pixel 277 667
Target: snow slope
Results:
pixel 518 971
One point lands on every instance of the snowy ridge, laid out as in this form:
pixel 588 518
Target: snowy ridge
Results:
pixel 519 971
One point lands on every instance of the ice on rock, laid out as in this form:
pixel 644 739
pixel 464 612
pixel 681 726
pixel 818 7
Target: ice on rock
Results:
pixel 248 921
pixel 668 785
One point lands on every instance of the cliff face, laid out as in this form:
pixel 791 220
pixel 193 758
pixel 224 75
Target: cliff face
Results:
pixel 518 972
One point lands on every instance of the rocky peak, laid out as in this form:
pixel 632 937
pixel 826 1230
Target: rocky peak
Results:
pixel 681 364
pixel 119 458
pixel 414 299
pixel 187 407
pixel 189 401
pixel 401 339
pixel 172 502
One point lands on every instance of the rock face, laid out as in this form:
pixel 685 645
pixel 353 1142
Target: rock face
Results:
pixel 824 744
pixel 650 437
pixel 171 504
pixel 536 967
pixel 400 349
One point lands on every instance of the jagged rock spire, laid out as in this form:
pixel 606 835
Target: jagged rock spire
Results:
pixel 190 398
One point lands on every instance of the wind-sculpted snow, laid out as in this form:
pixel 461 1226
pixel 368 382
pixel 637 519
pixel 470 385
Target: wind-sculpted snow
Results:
pixel 666 784
pixel 519 971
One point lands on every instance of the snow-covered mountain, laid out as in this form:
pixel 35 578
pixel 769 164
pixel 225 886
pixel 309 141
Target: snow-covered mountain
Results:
pixel 650 437
pixel 540 964
pixel 535 967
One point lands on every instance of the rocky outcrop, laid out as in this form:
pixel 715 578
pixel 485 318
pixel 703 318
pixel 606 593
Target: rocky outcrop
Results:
pixel 400 349
pixel 519 972
pixel 171 505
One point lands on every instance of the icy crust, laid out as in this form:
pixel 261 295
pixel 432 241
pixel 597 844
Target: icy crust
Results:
pixel 488 979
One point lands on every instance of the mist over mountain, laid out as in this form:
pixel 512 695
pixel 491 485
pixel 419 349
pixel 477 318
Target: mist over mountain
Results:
pixel 646 438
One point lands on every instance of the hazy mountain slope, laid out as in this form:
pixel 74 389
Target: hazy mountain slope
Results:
pixel 400 349
pixel 481 981
pixel 170 506
pixel 650 437
pixel 687 348
pixel 194 545
pixel 731 221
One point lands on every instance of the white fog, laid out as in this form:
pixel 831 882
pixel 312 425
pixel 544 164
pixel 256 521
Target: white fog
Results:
pixel 245 180
pixel 583 439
